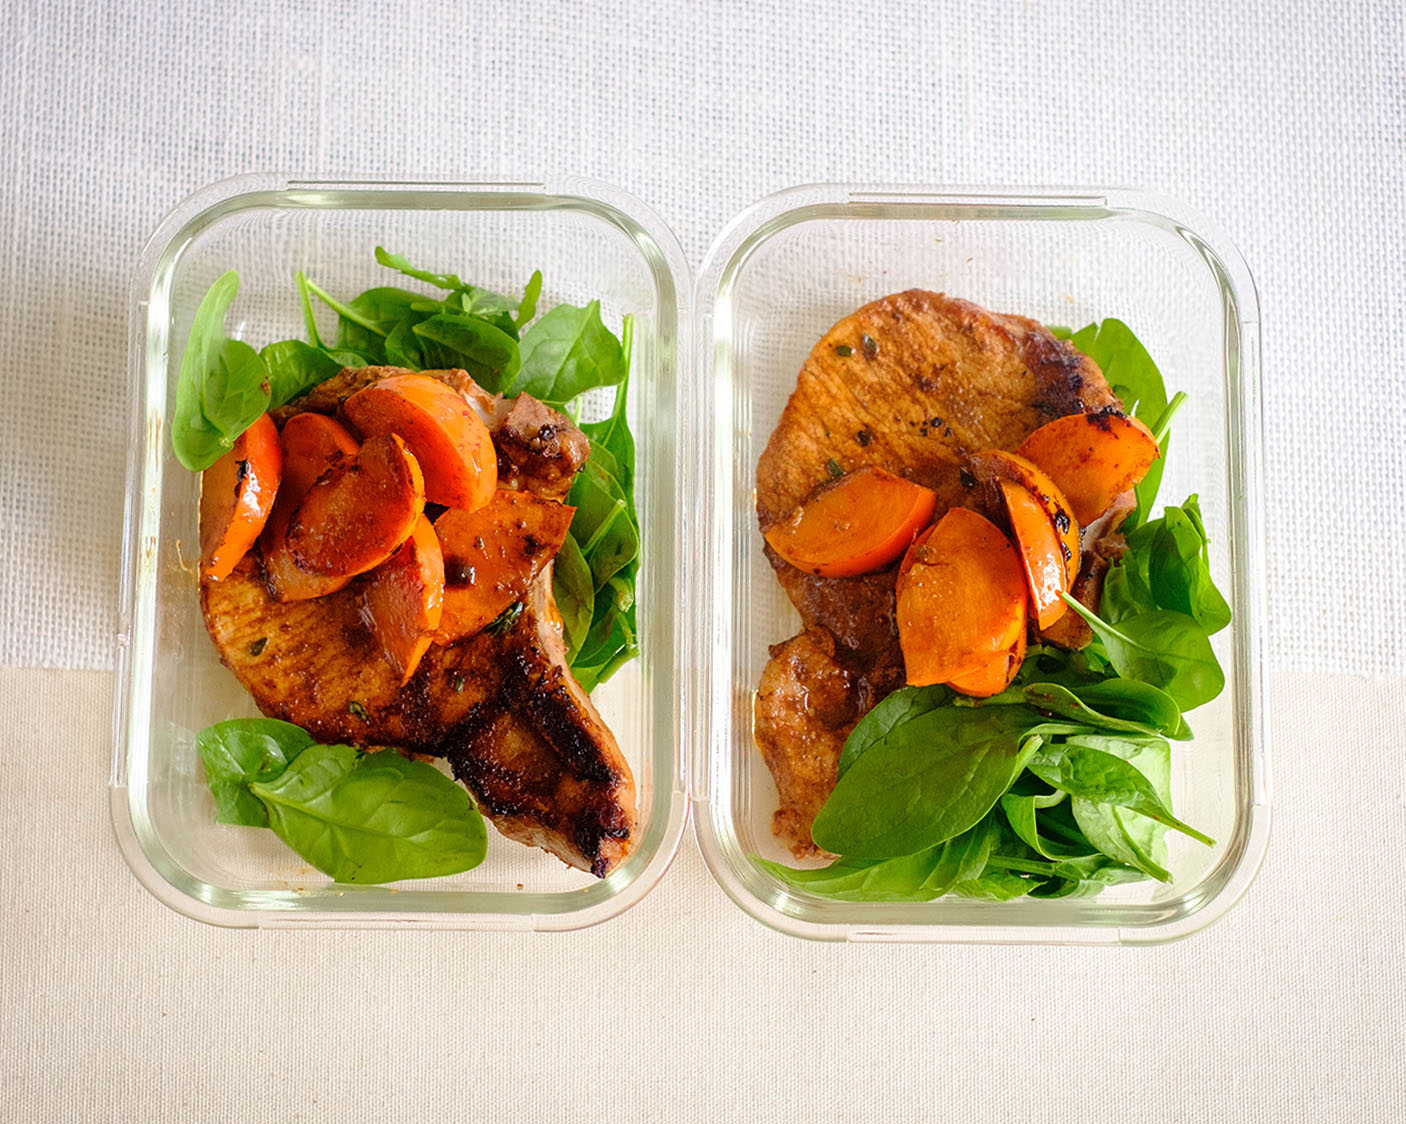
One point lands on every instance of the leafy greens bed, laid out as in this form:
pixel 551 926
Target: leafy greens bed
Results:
pixel 1059 785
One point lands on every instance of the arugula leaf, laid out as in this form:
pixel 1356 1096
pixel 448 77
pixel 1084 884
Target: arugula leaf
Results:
pixel 1164 648
pixel 222 387
pixel 567 351
pixel 927 780
pixel 241 751
pixel 369 818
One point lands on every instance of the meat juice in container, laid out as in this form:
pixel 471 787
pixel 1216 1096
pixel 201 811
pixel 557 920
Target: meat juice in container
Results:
pixel 775 281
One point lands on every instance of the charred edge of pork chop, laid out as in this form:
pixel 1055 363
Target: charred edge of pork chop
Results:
pixel 518 728
pixel 808 701
pixel 537 756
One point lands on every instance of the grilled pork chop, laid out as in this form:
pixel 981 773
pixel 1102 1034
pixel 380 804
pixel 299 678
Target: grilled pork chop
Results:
pixel 501 706
pixel 912 383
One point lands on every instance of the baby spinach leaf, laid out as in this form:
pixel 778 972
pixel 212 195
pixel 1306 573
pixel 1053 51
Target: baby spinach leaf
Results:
pixel 1022 813
pixel 927 781
pixel 241 751
pixel 294 368
pixel 402 347
pixel 222 387
pixel 1104 778
pixel 996 885
pixel 575 594
pixel 891 712
pixel 1054 699
pixel 1164 648
pixel 401 264
pixel 527 307
pixel 1106 829
pixel 919 877
pixel 602 525
pixel 566 351
pixel 1179 568
pixel 486 352
pixel 1137 702
pixel 375 817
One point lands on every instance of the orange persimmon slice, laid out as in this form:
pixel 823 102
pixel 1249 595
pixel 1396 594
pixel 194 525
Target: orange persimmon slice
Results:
pixel 996 465
pixel 312 444
pixel 359 511
pixel 1092 457
pixel 994 677
pixel 453 446
pixel 962 595
pixel 236 496
pixel 491 556
pixel 861 522
pixel 1041 552
pixel 405 598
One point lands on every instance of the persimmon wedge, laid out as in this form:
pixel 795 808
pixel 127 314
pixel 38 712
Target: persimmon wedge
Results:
pixel 962 599
pixel 997 466
pixel 994 677
pixel 491 556
pixel 404 598
pixel 861 522
pixel 1041 552
pixel 236 495
pixel 359 512
pixel 1092 458
pixel 448 438
pixel 312 444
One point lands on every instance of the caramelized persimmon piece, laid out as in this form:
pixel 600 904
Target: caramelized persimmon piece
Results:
pixel 236 495
pixel 491 556
pixel 444 432
pixel 994 677
pixel 996 465
pixel 1041 555
pixel 961 599
pixel 405 598
pixel 861 522
pixel 312 444
pixel 359 511
pixel 1092 457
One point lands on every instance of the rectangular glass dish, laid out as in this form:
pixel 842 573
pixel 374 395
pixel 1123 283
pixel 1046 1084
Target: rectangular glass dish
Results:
pixel 590 242
pixel 775 281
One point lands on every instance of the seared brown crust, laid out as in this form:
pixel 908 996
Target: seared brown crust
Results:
pixel 913 382
pixel 859 612
pixel 502 707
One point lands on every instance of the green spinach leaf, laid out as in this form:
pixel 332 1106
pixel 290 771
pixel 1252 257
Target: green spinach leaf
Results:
pixel 294 368
pixel 1164 648
pixel 486 352
pixel 926 781
pixel 241 751
pixel 223 385
pixel 1104 778
pixel 375 817
pixel 567 351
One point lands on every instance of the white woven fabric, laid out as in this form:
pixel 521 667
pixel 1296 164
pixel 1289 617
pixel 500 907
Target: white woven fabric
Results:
pixel 1285 125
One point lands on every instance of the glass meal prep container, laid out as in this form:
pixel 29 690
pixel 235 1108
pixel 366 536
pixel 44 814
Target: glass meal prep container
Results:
pixel 712 367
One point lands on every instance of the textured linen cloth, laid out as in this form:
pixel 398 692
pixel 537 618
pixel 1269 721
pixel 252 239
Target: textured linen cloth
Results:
pixel 1285 124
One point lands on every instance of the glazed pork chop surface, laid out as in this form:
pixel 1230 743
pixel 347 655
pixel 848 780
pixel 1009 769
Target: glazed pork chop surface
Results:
pixel 501 705
pixel 912 383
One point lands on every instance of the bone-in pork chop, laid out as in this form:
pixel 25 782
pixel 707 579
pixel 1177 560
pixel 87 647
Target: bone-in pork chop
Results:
pixel 912 383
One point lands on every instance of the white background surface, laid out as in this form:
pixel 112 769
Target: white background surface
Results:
pixel 1285 124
